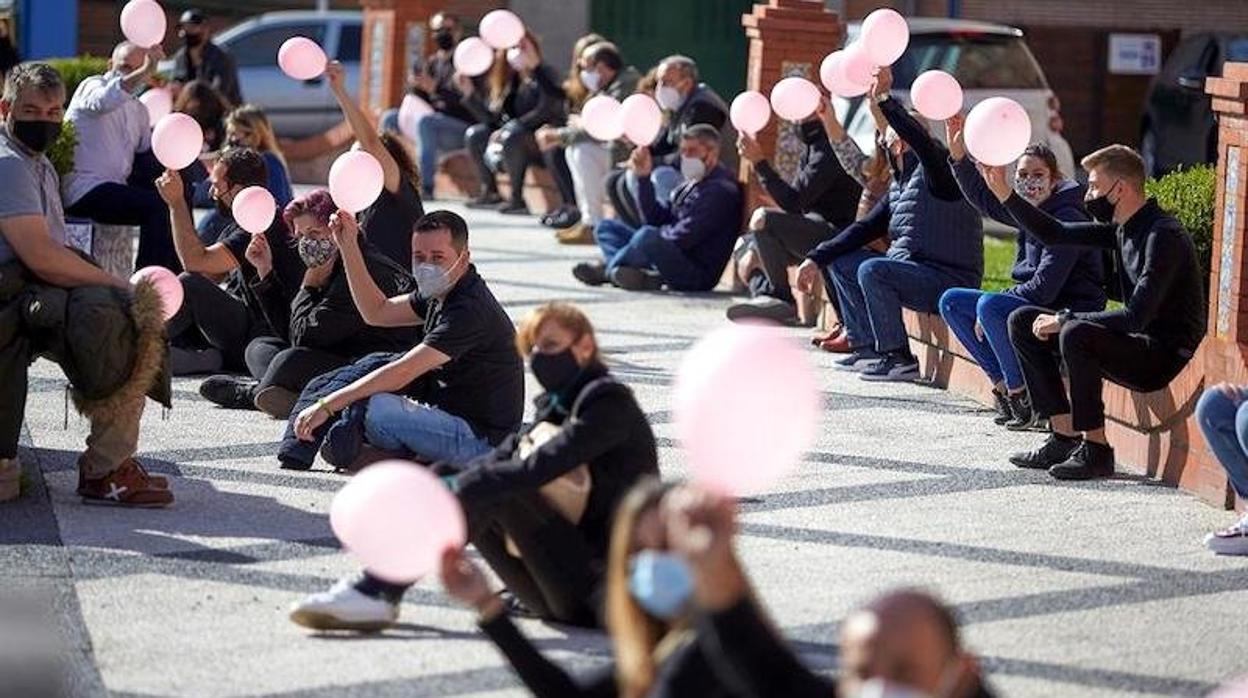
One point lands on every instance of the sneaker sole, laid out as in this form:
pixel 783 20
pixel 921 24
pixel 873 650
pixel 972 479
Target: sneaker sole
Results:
pixel 91 501
pixel 276 402
pixel 907 377
pixel 1079 475
pixel 1027 465
pixel 325 621
pixel 750 313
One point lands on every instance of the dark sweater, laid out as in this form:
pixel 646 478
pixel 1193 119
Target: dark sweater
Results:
pixel 702 106
pixel 704 219
pixel 1050 277
pixel 821 185
pixel 527 105
pixel 1158 275
pixel 610 434
pixel 446 97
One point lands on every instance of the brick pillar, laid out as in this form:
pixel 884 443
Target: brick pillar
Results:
pixel 787 38
pixel 395 32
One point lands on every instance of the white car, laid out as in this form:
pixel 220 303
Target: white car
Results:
pixel 988 60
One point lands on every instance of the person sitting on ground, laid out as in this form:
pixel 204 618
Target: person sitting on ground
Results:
pixel 539 506
pixel 904 642
pixel 1223 420
pixel 106 336
pixel 321 330
pixel 936 243
pixel 525 95
pixel 687 103
pixel 819 203
pixel 1048 277
pixel 387 223
pixel 201 59
pixel 212 329
pixel 454 396
pixel 113 127
pixel 443 130
pixel 1141 346
pixel 684 247
pixel 248 127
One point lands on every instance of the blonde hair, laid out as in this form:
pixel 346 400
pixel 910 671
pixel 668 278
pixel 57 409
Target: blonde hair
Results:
pixel 502 73
pixel 1117 161
pixel 573 87
pixel 253 118
pixel 565 315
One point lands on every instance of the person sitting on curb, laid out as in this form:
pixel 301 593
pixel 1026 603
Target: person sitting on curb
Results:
pixel 539 507
pixel 107 337
pixel 1048 277
pixel 936 243
pixel 685 247
pixel 1141 346
pixel 214 326
pixel 321 330
pixel 1223 420
pixel 820 202
pixel 452 397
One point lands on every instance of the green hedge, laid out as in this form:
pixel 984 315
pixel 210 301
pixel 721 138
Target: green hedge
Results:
pixel 61 153
pixel 1189 196
pixel 75 70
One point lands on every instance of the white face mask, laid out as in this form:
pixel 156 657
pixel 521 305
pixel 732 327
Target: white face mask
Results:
pixel 431 279
pixel 692 169
pixel 879 688
pixel 669 97
pixel 516 58
pixel 591 80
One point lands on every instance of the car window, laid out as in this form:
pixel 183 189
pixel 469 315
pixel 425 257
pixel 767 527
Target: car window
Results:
pixel 1237 48
pixel 259 48
pixel 979 62
pixel 349 43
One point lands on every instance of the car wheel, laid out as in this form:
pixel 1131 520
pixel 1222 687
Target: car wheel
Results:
pixel 1148 151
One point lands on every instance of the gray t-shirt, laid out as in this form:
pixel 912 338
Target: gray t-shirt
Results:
pixel 28 187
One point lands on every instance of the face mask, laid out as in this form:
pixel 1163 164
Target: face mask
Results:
pixel 692 169
pixel 879 688
pixel 1100 209
pixel 316 252
pixel 38 136
pixel 669 97
pixel 661 583
pixel 556 372
pixel 591 80
pixel 192 40
pixel 811 132
pixel 235 143
pixel 1032 188
pixel 516 58
pixel 431 279
pixel 444 39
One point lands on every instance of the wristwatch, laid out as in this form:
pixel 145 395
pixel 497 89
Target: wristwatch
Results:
pixel 1063 316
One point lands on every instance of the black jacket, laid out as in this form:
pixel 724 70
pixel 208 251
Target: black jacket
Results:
pixel 702 106
pixel 216 68
pixel 1157 275
pixel 446 97
pixel 821 185
pixel 528 104
pixel 327 319
pixel 609 433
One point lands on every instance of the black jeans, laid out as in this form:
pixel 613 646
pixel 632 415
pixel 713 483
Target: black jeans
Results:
pixel 222 319
pixel 120 204
pixel 785 239
pixel 519 152
pixel 273 362
pixel 557 164
pixel 557 576
pixel 1091 353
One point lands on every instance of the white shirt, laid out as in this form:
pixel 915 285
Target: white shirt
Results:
pixel 112 125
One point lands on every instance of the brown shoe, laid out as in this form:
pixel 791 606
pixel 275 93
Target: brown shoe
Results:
pixel 157 481
pixel 819 338
pixel 10 479
pixel 579 234
pixel 836 345
pixel 276 401
pixel 127 486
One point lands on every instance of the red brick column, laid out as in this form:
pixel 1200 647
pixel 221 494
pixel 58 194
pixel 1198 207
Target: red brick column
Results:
pixel 395 31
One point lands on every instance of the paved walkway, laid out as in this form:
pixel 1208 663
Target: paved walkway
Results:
pixel 1065 589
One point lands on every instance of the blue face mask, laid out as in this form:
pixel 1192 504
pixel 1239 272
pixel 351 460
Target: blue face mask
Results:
pixel 661 583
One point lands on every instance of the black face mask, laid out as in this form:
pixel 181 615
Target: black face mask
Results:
pixel 556 372
pixel 811 132
pixel 1100 209
pixel 444 39
pixel 192 40
pixel 223 208
pixel 38 136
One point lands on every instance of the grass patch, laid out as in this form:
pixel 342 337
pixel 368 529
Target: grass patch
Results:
pixel 998 260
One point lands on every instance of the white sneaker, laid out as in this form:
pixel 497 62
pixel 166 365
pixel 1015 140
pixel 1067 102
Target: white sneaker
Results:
pixel 344 607
pixel 1230 541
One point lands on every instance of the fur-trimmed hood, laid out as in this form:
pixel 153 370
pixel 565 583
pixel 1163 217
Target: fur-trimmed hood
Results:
pixel 149 372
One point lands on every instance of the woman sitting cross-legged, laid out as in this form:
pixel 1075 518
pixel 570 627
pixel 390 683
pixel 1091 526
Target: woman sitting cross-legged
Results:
pixel 539 507
pixel 1049 277
pixel 321 329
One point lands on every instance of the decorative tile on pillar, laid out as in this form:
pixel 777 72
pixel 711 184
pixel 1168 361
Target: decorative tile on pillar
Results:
pixel 1230 240
pixel 789 146
pixel 380 48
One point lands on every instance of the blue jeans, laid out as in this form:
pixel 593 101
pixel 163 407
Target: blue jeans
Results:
pixel 439 134
pixel 1225 426
pixel 873 289
pixel 645 248
pixel 962 307
pixel 397 423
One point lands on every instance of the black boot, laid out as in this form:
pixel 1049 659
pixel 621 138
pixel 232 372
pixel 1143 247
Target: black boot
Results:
pixel 1088 462
pixel 1054 450
pixel 1002 403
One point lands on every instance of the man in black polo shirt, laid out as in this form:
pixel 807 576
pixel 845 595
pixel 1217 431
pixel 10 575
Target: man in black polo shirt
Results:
pixel 470 378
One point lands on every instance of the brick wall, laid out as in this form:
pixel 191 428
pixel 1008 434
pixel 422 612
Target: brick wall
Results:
pixel 1128 14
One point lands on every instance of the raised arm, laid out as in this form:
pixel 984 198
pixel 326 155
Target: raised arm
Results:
pixel 365 133
pixel 1041 225
pixel 376 309
pixel 195 257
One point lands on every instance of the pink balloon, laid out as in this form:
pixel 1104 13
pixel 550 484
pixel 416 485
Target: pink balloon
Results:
pixel 936 94
pixel 411 110
pixel 473 57
pixel 643 119
pixel 832 75
pixel 856 67
pixel 167 286
pixel 301 58
pixel 177 141
pixel 159 103
pixel 750 112
pixel 746 405
pixel 398 519
pixel 795 99
pixel 602 118
pixel 501 29
pixel 997 131
pixel 355 181
pixel 885 35
pixel 254 209
pixel 143 22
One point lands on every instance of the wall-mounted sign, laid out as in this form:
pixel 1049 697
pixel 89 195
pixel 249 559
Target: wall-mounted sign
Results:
pixel 1134 54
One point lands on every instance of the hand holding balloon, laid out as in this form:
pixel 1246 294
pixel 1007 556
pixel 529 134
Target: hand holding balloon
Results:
pixel 883 82
pixel 345 229
pixel 700 528
pixel 749 149
pixel 954 127
pixel 169 186
pixel 994 177
pixel 640 163
pixel 337 76
pixel 259 254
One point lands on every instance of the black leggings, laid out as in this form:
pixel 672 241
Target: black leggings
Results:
pixel 273 362
pixel 786 238
pixel 519 152
pixel 209 313
pixel 557 164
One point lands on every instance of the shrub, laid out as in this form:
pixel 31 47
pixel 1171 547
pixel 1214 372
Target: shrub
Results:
pixel 75 70
pixel 61 152
pixel 1189 196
